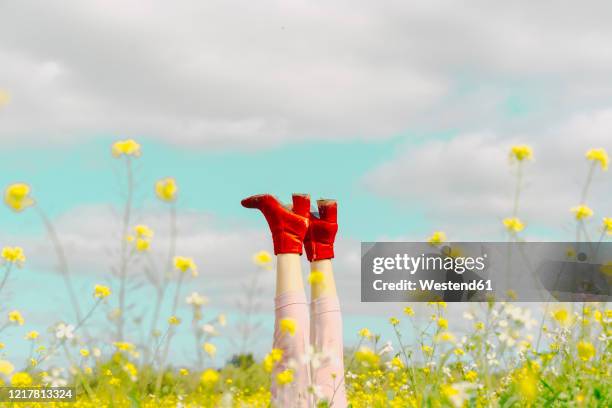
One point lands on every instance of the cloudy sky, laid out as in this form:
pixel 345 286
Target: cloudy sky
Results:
pixel 404 111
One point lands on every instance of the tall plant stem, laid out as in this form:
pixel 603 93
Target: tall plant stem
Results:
pixel 61 257
pixel 127 213
pixel 7 272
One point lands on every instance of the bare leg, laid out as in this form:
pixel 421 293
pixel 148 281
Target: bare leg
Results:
pixel 326 334
pixel 291 313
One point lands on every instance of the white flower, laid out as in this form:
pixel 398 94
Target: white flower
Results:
pixel 54 378
pixel 387 348
pixel 468 315
pixel 96 352
pixel 461 395
pixel 210 330
pixel 195 299
pixel 64 331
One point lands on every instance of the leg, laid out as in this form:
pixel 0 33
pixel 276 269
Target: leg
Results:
pixel 326 320
pixel 291 310
pixel 326 334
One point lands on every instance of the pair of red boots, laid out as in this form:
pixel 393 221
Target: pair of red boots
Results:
pixel 295 226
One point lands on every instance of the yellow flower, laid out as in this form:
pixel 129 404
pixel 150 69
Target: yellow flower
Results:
pixel 527 383
pixel 397 362
pixel 479 326
pixel 6 367
pixel 471 376
pixel 458 352
pixel 127 147
pixel 262 258
pixel 142 244
pixel 607 225
pixel 184 264
pixel 427 350
pixel 442 323
pixel 284 377
pixel 84 352
pixel 131 371
pixel 586 350
pixel 445 336
pixel 210 349
pixel 365 333
pixel 513 224
pixel 33 362
pixel 582 211
pixel 166 189
pixel 16 317
pixel 174 321
pixel 13 255
pixel 598 155
pixel 272 358
pixel 288 325
pixel 437 237
pixel 408 311
pixel 562 316
pixel 184 372
pixel 209 377
pixel 367 356
pixel 17 197
pixel 521 152
pixel 21 379
pixel 32 335
pixel 123 346
pixel 316 278
pixel 394 321
pixel 143 231
pixel 2 345
pixel 101 291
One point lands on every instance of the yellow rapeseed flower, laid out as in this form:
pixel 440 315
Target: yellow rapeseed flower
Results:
pixel 143 231
pixel 607 225
pixel 273 357
pixel 288 325
pixel 209 377
pixel 521 153
pixel 166 189
pixel 6 368
pixel 316 278
pixel 471 376
pixel 184 264
pixel 586 350
pixel 598 155
pixel 84 352
pixel 210 349
pixel 427 350
pixel 101 291
pixel 367 356
pixel 365 333
pixel 32 335
pixel 14 255
pixel 16 317
pixel 445 336
pixel 127 147
pixel 582 212
pixel 21 379
pixel 513 224
pixel 123 346
pixel 437 237
pixel 2 345
pixel 174 321
pixel 17 197
pixel 262 258
pixel 284 377
pixel 442 323
pixel 184 372
pixel 408 311
pixel 562 316
pixel 394 321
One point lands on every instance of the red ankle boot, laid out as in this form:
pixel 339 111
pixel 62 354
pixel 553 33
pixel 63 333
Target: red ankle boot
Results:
pixel 319 240
pixel 288 226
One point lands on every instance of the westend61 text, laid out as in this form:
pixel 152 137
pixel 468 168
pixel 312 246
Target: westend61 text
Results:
pixel 430 284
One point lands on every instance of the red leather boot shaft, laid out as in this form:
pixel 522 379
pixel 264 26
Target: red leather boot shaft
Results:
pixel 321 235
pixel 288 227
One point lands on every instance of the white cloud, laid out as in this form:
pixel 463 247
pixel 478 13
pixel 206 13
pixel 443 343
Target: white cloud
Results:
pixel 466 184
pixel 250 74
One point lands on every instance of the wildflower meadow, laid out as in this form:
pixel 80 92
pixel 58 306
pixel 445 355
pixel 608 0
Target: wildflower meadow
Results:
pixel 509 354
